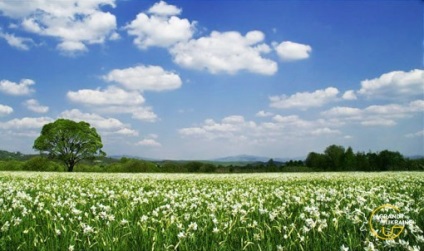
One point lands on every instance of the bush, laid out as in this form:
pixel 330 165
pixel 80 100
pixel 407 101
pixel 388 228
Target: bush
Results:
pixel 88 168
pixel 40 163
pixel 11 165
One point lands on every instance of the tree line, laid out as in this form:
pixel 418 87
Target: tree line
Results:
pixel 337 158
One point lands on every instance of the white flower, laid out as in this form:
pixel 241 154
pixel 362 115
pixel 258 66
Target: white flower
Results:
pixel 58 232
pixel 215 230
pixel 344 248
pixel 71 248
pixel 181 235
pixel 144 218
pixel 193 225
pixel 124 222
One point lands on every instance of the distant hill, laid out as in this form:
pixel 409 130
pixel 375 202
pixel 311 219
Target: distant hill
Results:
pixel 251 158
pixel 6 155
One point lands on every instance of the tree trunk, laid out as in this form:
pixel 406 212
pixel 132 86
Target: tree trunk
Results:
pixel 70 166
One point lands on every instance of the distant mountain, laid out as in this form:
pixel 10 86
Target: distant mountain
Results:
pixel 243 158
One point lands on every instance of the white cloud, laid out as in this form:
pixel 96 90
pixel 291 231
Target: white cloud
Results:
pixel 74 23
pixel 17 89
pixel 415 134
pixel 305 100
pixel 35 106
pixel 162 28
pixel 349 95
pixel 290 51
pixel 375 115
pixel 236 129
pixel 110 96
pixel 225 52
pixel 163 9
pixel 341 111
pixel 20 43
pixel 25 123
pixel 325 131
pixel 149 141
pixel 394 84
pixel 264 114
pixel 5 110
pixel 107 125
pixel 378 122
pixel 144 114
pixel 145 78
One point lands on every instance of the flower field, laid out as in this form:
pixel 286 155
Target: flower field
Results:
pixel 322 211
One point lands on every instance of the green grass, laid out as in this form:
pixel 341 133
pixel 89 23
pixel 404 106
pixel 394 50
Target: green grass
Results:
pixel 324 211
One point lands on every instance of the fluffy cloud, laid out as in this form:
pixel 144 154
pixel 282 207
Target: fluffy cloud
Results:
pixel 25 123
pixel 143 113
pixel 162 28
pixel 145 78
pixel 237 129
pixel 264 114
pixel 415 135
pixel 109 125
pixel 35 106
pixel 349 95
pixel 163 9
pixel 110 96
pixel 305 100
pixel 17 89
pixel 148 142
pixel 227 52
pixel 20 43
pixel 375 115
pixel 75 23
pixel 290 51
pixel 5 110
pixel 394 84
pixel 114 100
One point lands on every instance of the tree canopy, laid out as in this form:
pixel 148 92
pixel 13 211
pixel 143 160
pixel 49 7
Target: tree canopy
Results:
pixel 69 141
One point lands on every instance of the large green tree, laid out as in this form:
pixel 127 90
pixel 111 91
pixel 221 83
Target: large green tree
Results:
pixel 69 141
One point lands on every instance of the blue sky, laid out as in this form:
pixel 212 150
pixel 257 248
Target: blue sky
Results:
pixel 206 79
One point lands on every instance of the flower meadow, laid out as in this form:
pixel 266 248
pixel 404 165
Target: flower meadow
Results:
pixel 313 211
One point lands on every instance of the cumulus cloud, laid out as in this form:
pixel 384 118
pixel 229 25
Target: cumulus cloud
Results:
pixel 108 125
pixel 35 106
pixel 162 28
pixel 163 9
pixel 375 115
pixel 415 134
pixel 237 129
pixel 264 114
pixel 305 100
pixel 394 84
pixel 5 110
pixel 17 89
pixel 349 95
pixel 145 78
pixel 342 111
pixel 74 23
pixel 110 96
pixel 290 51
pixel 149 141
pixel 20 43
pixel 225 52
pixel 25 123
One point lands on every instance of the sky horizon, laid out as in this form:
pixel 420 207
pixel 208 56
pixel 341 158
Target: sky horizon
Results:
pixel 209 79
